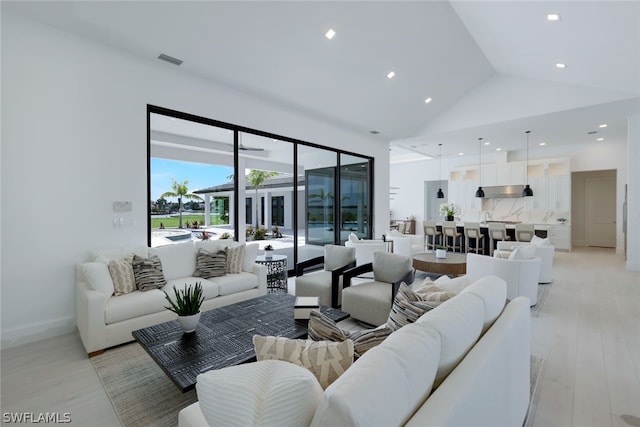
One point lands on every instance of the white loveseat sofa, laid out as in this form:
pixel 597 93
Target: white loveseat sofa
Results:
pixel 464 363
pixel 105 320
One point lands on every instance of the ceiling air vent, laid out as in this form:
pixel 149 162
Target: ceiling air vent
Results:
pixel 170 59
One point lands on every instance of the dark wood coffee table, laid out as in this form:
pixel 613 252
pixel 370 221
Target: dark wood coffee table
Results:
pixel 224 336
pixel 454 264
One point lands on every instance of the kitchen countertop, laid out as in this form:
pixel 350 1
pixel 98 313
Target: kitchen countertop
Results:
pixel 510 225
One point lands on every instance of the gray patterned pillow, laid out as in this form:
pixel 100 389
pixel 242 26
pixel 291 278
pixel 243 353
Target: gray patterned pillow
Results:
pixel 322 328
pixel 121 272
pixel 235 259
pixel 210 264
pixel 326 360
pixel 407 307
pixel 148 273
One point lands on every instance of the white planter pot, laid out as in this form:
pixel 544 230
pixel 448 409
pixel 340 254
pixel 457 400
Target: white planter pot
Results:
pixel 189 323
pixel 268 254
pixel 441 253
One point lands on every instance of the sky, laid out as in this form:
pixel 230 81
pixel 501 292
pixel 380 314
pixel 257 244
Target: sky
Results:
pixel 199 175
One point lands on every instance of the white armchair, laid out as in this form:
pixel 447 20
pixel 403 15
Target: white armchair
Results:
pixel 406 244
pixel 545 252
pixel 365 249
pixel 521 275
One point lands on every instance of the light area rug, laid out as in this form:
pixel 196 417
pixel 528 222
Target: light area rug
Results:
pixel 140 392
pixel 543 293
pixel 142 395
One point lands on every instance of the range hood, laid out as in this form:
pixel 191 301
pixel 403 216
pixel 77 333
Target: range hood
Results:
pixel 503 191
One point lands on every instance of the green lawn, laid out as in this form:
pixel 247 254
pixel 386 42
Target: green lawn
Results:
pixel 174 220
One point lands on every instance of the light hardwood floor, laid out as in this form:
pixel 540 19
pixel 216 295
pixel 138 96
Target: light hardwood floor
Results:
pixel 588 333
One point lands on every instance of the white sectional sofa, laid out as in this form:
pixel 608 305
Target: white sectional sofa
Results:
pixel 464 363
pixel 105 320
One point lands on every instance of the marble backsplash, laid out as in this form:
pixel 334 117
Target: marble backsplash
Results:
pixel 514 209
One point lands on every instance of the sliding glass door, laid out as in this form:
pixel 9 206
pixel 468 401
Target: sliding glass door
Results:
pixel 252 186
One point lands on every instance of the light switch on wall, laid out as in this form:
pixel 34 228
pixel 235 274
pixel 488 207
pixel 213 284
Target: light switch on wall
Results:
pixel 122 206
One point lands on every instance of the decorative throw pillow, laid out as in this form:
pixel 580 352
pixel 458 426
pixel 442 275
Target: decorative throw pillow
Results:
pixel 428 291
pixel 326 360
pixel 250 254
pixel 235 258
pixel 523 252
pixel 322 328
pixel 98 277
pixel 148 273
pixel 267 393
pixel 210 264
pixel 501 253
pixel 407 307
pixel 122 275
pixel 539 241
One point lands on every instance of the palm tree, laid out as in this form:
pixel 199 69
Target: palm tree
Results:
pixel 180 190
pixel 256 178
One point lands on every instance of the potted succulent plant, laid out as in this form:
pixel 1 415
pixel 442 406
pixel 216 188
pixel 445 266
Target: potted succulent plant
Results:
pixel 441 251
pixel 186 305
pixel 268 252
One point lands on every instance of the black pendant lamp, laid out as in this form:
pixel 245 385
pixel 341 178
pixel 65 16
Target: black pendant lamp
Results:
pixel 480 191
pixel 527 192
pixel 440 194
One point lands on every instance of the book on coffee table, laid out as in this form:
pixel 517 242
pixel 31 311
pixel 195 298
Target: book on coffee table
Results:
pixel 304 306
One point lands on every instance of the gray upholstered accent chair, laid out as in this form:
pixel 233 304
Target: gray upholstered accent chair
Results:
pixel 325 283
pixel 371 301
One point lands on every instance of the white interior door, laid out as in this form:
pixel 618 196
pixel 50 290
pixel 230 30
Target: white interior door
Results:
pixel 601 212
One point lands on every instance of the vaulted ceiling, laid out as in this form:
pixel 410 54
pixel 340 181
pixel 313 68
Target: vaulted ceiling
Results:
pixel 489 68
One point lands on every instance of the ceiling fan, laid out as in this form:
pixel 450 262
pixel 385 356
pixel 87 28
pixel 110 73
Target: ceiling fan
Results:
pixel 243 148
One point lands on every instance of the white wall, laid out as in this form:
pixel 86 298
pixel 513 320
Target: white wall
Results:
pixel 74 140
pixel 633 218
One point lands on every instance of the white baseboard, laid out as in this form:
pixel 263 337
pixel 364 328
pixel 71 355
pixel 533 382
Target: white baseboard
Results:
pixel 633 266
pixel 13 337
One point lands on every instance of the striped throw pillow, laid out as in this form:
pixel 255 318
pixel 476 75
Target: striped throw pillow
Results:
pixel 148 273
pixel 210 264
pixel 407 307
pixel 322 328
pixel 235 259
pixel 122 276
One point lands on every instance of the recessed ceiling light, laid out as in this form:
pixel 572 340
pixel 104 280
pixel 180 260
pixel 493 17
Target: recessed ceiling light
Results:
pixel 561 65
pixel 600 139
pixel 460 154
pixel 604 125
pixel 428 100
pixel 329 34
pixel 498 149
pixel 543 144
pixel 487 143
pixel 391 75
pixel 553 17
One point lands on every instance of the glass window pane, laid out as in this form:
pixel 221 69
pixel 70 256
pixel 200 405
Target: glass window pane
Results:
pixel 354 197
pixel 191 197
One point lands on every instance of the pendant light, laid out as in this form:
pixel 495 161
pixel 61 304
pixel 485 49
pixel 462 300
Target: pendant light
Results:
pixel 480 191
pixel 440 194
pixel 527 192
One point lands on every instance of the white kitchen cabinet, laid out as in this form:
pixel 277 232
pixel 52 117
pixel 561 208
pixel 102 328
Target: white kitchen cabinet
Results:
pixel 560 237
pixel 559 192
pixel 489 176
